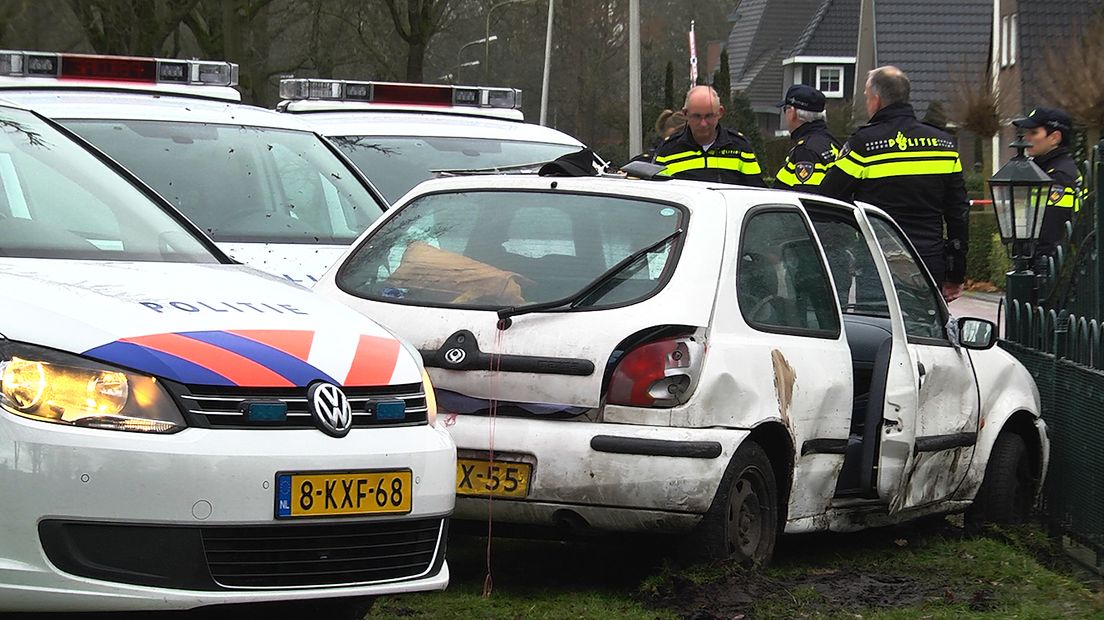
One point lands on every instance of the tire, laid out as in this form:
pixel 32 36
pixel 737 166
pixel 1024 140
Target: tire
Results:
pixel 1007 493
pixel 743 522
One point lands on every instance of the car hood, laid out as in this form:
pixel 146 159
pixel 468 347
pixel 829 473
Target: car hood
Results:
pixel 301 263
pixel 197 324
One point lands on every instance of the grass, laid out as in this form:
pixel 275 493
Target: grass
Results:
pixel 892 574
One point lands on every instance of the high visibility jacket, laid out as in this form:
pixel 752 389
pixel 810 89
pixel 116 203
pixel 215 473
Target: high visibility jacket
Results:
pixel 1065 197
pixel 813 152
pixel 912 171
pixel 730 159
pixel 1066 191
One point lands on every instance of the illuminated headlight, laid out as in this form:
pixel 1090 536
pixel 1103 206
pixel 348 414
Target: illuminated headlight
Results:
pixel 49 386
pixel 430 398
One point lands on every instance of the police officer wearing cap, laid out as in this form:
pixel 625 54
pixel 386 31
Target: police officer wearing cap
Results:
pixel 814 149
pixel 706 151
pixel 912 171
pixel 1047 130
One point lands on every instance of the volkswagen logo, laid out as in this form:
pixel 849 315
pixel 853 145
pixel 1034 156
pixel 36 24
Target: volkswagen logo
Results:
pixel 455 356
pixel 330 409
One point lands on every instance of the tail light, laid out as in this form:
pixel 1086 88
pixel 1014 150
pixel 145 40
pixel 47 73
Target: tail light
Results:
pixel 661 373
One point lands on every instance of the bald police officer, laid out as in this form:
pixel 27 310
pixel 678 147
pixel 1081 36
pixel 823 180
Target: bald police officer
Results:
pixel 706 151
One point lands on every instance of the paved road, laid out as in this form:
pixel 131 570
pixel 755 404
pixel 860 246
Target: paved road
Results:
pixel 981 305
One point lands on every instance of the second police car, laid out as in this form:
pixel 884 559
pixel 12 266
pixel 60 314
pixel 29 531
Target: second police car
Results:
pixel 179 431
pixel 271 192
pixel 402 134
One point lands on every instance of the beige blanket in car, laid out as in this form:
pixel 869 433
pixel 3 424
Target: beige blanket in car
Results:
pixel 455 278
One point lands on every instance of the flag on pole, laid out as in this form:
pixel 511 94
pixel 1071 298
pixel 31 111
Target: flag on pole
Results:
pixel 693 56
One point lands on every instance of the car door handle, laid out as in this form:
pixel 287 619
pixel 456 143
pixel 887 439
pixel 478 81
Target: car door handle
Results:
pixel 922 372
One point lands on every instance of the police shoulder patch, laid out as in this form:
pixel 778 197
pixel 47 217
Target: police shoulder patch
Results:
pixel 803 170
pixel 1056 193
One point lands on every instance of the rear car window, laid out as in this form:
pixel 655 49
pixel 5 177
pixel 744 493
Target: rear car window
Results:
pixel 781 283
pixel 396 164
pixel 498 249
pixel 240 183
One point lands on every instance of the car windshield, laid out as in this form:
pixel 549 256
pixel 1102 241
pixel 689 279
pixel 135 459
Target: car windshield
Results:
pixel 239 183
pixel 499 249
pixel 398 163
pixel 57 200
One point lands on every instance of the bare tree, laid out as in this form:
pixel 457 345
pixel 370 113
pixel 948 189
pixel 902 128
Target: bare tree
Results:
pixel 1074 67
pixel 416 22
pixel 137 27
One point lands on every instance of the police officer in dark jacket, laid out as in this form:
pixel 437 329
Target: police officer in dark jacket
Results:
pixel 814 149
pixel 912 171
pixel 1048 130
pixel 706 151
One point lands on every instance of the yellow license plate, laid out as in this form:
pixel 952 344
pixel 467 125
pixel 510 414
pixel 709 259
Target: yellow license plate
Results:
pixel 498 478
pixel 340 494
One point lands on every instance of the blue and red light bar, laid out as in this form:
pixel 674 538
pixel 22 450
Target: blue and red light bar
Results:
pixel 118 68
pixel 399 93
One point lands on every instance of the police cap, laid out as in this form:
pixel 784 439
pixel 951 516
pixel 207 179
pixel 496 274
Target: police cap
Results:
pixel 804 97
pixel 1051 118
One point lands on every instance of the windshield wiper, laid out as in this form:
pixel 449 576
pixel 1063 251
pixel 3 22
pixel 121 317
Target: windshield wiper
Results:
pixel 575 299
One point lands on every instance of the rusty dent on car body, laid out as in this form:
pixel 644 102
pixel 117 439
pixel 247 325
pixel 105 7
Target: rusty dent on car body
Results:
pixel 784 379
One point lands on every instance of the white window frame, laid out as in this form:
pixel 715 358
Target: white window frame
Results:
pixel 830 94
pixel 1013 35
pixel 1004 40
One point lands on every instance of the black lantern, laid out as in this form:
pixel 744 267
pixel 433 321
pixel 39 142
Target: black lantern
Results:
pixel 1020 194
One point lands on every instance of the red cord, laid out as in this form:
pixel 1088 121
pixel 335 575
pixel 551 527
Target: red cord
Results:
pixel 496 365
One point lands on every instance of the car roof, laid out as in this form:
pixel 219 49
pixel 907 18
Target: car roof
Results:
pixel 108 102
pixel 308 106
pixel 674 190
pixel 424 123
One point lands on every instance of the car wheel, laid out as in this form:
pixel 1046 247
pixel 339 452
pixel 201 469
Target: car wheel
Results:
pixel 1007 492
pixel 742 524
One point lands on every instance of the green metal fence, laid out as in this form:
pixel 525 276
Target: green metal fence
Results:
pixel 1073 407
pixel 1058 339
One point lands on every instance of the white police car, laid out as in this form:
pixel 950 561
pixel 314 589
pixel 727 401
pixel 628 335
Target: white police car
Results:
pixel 402 134
pixel 179 431
pixel 272 193
pixel 619 354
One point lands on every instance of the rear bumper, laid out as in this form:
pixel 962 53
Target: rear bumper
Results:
pixel 607 476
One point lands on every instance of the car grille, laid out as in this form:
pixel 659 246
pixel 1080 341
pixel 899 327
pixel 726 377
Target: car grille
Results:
pixel 281 556
pixel 222 407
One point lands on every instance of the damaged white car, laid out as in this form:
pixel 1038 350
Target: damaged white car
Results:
pixel 733 363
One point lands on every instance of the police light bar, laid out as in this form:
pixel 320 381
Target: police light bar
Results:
pixel 297 89
pixel 118 68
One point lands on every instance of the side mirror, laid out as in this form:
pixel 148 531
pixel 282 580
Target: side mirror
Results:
pixel 975 333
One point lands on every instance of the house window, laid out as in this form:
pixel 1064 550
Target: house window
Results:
pixel 830 81
pixel 1005 21
pixel 1013 38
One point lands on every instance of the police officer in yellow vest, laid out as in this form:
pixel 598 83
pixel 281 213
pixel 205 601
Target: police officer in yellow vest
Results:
pixel 1048 130
pixel 912 171
pixel 706 151
pixel 814 149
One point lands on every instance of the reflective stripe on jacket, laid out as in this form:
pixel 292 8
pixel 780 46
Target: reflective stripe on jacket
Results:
pixel 814 152
pixel 730 159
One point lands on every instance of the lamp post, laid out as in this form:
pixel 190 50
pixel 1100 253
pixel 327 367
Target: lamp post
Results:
pixel 487 40
pixel 1020 192
pixel 487 35
pixel 454 77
